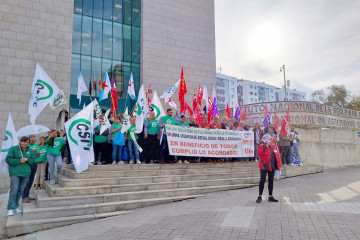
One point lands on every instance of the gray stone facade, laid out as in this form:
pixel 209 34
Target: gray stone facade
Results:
pixel 32 31
pixel 175 34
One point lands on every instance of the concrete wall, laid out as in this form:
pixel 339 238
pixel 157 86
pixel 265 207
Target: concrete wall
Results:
pixel 331 148
pixel 32 31
pixel 174 34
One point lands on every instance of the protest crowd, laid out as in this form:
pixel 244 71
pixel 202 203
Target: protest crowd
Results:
pixel 137 138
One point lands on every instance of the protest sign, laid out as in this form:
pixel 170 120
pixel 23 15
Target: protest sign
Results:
pixel 217 143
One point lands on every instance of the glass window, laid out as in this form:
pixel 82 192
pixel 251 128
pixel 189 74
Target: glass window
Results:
pixel 251 99
pixel 108 9
pixel 98 8
pixel 251 93
pixel 251 86
pixel 135 68
pixel 76 38
pixel 78 6
pixel 271 90
pixel 255 94
pixel 117 41
pixel 86 35
pixel 75 69
pixel 86 70
pixel 107 39
pixel 87 7
pixel 255 87
pixel 136 19
pixel 118 77
pixel 127 12
pixel 117 16
pixel 135 44
pixel 97 37
pixel 127 42
pixel 106 67
pixel 96 70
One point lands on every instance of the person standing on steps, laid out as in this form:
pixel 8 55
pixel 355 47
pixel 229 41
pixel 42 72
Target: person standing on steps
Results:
pixel 55 146
pixel 268 163
pixel 33 146
pixel 20 158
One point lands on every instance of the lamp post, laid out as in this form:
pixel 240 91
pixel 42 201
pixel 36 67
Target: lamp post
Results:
pixel 282 69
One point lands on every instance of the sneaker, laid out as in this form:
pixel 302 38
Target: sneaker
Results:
pixel 300 164
pixel 179 161
pixel 256 160
pixel 18 210
pixel 26 200
pixel 114 163
pixel 95 163
pixel 138 162
pixel 131 162
pixel 272 199
pixel 259 199
pixel 151 162
pixel 121 162
pixel 186 161
pixel 52 182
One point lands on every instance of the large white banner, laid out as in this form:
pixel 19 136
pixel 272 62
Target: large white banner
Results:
pixel 218 143
pixel 79 131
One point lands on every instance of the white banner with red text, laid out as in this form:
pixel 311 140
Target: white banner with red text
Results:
pixel 218 143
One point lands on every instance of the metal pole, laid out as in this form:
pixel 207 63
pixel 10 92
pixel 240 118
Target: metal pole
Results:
pixel 283 67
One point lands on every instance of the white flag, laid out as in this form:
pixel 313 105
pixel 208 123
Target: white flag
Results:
pixel 168 93
pixel 10 139
pixel 213 92
pixel 80 137
pixel 126 121
pixel 106 123
pixel 157 107
pixel 140 110
pixel 60 99
pixel 205 96
pixel 131 87
pixel 43 91
pixel 172 103
pixel 81 87
pixel 97 108
pixel 106 86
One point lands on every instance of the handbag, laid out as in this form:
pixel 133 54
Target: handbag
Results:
pixel 119 139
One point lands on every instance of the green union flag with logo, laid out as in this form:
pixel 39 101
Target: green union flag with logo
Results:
pixel 157 107
pixel 43 92
pixel 80 137
pixel 9 140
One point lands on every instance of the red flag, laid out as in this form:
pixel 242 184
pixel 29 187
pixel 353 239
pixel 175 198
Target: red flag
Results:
pixel 114 98
pixel 243 113
pixel 198 116
pixel 285 123
pixel 94 82
pixel 100 83
pixel 227 110
pixel 147 94
pixel 182 92
pixel 210 110
pixel 188 109
pixel 200 96
pixel 273 140
pixel 276 122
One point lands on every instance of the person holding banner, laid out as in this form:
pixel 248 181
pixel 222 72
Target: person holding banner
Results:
pixel 117 146
pixel 268 163
pixel 164 148
pixel 20 158
pixel 133 148
pixel 55 146
pixel 100 142
pixel 183 121
pixel 152 134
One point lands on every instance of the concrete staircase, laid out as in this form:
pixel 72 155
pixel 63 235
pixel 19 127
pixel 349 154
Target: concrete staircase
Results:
pixel 110 190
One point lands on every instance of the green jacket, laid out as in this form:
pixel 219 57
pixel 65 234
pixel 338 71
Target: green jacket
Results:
pixel 15 166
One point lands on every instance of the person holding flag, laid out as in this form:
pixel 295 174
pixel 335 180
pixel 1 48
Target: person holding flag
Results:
pixel 20 158
pixel 100 142
pixel 152 133
pixel 33 146
pixel 118 141
pixel 55 146
pixel 164 148
pixel 133 149
pixel 268 163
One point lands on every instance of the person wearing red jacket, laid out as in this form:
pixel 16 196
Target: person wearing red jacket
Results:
pixel 269 162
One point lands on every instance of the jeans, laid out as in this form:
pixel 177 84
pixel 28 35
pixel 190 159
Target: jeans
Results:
pixel 116 152
pixel 133 150
pixel 270 181
pixel 31 181
pixel 285 156
pixel 52 159
pixel 17 185
pixel 295 147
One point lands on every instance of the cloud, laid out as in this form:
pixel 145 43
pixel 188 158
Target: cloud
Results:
pixel 318 41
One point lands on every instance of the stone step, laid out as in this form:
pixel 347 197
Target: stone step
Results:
pixel 31 212
pixel 141 173
pixel 44 200
pixel 58 191
pixel 17 226
pixel 65 181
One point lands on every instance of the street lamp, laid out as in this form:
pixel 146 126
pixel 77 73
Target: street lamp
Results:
pixel 282 69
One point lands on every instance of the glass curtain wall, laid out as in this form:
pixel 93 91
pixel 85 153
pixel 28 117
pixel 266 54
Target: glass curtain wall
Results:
pixel 106 37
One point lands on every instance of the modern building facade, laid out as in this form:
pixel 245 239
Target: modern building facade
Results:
pixel 292 95
pixel 255 92
pixel 226 90
pixel 152 39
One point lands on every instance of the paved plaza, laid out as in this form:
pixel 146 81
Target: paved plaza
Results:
pixel 317 206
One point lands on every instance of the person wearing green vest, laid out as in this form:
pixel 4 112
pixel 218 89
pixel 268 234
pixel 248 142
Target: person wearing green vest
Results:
pixel 100 142
pixel 41 160
pixel 132 148
pixel 55 146
pixel 25 197
pixel 164 148
pixel 19 158
pixel 152 131
pixel 116 148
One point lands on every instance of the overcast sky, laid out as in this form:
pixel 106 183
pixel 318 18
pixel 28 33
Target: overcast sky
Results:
pixel 318 41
